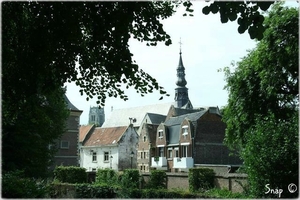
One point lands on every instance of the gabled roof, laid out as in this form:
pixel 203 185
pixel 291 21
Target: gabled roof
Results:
pixel 120 117
pixel 177 120
pixel 105 136
pixel 84 130
pixel 156 118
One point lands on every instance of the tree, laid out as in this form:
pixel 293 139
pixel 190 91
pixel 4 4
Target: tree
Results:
pixel 41 45
pixel 49 43
pixel 248 15
pixel 261 114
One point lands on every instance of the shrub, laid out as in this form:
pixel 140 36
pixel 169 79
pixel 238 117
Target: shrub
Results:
pixel 94 191
pixel 62 190
pixel 130 178
pixel 107 176
pixel 16 185
pixel 158 179
pixel 70 174
pixel 201 179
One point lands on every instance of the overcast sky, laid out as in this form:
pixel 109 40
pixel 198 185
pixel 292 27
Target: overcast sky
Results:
pixel 207 45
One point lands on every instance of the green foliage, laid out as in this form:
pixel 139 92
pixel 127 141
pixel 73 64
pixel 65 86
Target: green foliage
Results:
pixel 130 179
pixel 271 156
pixel 107 176
pixel 262 110
pixel 158 179
pixel 159 193
pixel 16 185
pixel 266 80
pixel 224 194
pixel 94 191
pixel 50 43
pixel 61 190
pixel 201 179
pixel 247 15
pixel 70 174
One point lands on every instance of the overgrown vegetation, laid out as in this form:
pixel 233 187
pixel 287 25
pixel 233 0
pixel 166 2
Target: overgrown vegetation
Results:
pixel 201 179
pixel 16 185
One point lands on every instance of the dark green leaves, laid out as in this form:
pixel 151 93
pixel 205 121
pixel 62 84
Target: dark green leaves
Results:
pixel 247 15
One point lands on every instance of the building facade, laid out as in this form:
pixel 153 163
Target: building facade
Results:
pixel 67 145
pixel 112 147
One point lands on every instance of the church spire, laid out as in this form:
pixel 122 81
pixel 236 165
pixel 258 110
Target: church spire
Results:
pixel 181 92
pixel 180 70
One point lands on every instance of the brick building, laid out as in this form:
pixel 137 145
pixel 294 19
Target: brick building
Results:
pixel 67 145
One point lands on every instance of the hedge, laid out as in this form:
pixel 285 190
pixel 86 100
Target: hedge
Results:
pixel 158 179
pixel 70 174
pixel 107 176
pixel 201 179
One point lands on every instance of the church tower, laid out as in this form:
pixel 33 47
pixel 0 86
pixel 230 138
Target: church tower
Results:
pixel 96 116
pixel 181 92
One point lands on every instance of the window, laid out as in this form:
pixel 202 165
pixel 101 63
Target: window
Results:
pixel 144 154
pixel 176 152
pixel 170 153
pixel 184 151
pixel 145 138
pixel 64 144
pixel 94 157
pixel 160 133
pixel 141 167
pixel 141 155
pixel 93 118
pixel 106 156
pixel 161 151
pixel 185 130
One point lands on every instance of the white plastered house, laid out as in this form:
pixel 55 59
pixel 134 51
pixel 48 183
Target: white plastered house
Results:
pixel 109 147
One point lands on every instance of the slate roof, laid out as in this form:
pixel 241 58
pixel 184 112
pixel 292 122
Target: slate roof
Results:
pixel 173 125
pixel 70 106
pixel 120 117
pixel 84 130
pixel 173 135
pixel 177 120
pixel 105 136
pixel 156 118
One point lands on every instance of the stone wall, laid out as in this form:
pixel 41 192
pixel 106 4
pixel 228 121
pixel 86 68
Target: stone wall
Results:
pixel 228 181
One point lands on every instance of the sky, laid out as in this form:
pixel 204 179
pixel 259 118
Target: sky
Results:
pixel 207 45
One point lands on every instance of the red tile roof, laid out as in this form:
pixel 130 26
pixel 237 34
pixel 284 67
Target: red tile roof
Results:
pixel 105 136
pixel 83 131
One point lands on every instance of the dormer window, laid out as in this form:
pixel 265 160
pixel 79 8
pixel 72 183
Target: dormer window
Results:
pixel 185 130
pixel 160 133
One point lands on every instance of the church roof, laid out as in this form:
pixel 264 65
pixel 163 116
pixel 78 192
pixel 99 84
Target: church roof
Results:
pixel 120 117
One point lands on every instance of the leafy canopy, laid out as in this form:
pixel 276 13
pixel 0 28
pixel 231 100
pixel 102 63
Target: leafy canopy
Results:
pixel 262 111
pixel 266 80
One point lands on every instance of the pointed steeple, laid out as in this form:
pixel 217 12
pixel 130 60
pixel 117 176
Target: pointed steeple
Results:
pixel 181 92
pixel 180 73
